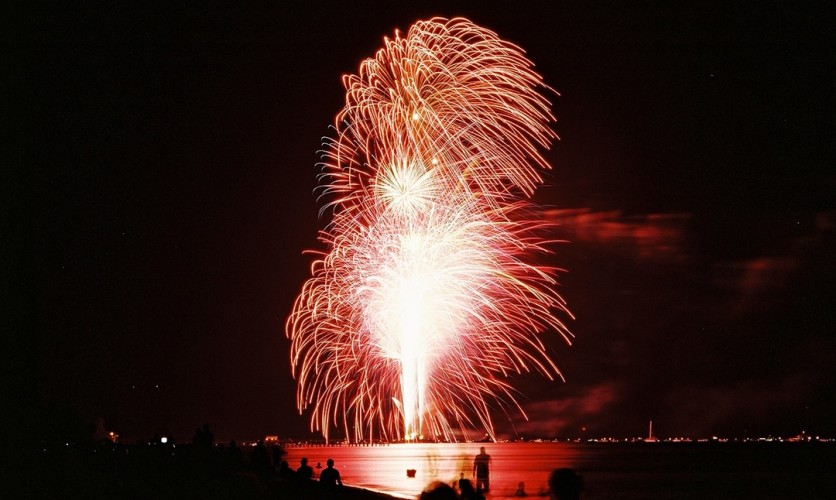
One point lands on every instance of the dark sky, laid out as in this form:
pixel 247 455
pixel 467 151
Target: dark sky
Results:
pixel 159 195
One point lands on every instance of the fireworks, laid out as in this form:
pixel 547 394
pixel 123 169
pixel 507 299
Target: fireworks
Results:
pixel 428 297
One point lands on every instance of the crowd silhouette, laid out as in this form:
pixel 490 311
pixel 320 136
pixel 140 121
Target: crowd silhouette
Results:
pixel 164 468
pixel 564 484
pixel 203 468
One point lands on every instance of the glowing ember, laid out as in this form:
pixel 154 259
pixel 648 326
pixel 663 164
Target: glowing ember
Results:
pixel 427 298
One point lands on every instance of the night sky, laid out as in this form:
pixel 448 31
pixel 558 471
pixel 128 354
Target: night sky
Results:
pixel 158 197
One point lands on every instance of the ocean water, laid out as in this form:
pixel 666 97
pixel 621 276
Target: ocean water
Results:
pixel 609 470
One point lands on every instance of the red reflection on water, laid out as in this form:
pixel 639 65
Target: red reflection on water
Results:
pixel 383 468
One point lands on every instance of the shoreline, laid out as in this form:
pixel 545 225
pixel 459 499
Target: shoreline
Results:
pixel 362 493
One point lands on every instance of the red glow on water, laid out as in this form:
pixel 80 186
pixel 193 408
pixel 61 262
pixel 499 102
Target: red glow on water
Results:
pixel 384 468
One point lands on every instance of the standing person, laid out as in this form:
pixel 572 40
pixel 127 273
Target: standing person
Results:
pixel 482 470
pixel 330 477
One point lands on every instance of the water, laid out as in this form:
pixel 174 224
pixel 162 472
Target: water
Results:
pixel 623 471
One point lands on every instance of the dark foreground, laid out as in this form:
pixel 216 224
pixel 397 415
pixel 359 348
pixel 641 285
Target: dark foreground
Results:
pixel 161 472
pixel 627 471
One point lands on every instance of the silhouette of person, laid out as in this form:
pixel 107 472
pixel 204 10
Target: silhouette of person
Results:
pixel 467 492
pixel 565 484
pixel 438 491
pixel 203 438
pixel 285 472
pixel 260 460
pixel 481 469
pixel 462 480
pixel 330 477
pixel 305 471
pixel 234 455
pixel 278 452
pixel 520 490
pixel 208 437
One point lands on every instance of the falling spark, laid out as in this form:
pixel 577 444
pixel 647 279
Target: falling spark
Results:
pixel 428 298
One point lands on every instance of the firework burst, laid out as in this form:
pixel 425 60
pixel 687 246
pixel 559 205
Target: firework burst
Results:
pixel 427 297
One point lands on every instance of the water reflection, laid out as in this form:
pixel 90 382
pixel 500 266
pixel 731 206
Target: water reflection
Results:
pixel 384 467
pixel 646 471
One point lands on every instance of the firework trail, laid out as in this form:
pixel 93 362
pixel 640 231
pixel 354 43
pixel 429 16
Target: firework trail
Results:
pixel 427 298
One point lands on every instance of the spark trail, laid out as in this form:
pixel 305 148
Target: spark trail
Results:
pixel 428 296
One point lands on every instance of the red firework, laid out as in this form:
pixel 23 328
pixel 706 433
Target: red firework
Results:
pixel 428 296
